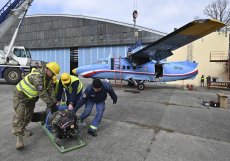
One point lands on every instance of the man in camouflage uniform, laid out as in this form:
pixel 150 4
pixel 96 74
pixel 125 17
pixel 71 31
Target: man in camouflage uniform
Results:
pixel 37 84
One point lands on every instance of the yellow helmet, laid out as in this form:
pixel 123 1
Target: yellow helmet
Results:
pixel 54 79
pixel 65 78
pixel 54 67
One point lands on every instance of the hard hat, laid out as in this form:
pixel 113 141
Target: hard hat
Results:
pixel 54 67
pixel 54 79
pixel 65 78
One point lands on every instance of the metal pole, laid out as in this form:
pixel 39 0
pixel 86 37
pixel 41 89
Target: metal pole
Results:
pixel 228 65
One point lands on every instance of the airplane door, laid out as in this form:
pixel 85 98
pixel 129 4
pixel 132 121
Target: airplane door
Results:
pixel 112 63
pixel 158 70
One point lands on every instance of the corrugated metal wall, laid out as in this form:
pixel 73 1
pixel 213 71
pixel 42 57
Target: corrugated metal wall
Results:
pixel 86 56
pixel 90 55
pixel 61 56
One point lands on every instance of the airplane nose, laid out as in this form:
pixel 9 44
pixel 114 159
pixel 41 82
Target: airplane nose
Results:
pixel 74 71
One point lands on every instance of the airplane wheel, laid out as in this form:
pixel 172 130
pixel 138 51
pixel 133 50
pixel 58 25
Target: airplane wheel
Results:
pixel 141 86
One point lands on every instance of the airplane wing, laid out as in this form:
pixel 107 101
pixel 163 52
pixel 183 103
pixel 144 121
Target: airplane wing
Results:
pixel 163 47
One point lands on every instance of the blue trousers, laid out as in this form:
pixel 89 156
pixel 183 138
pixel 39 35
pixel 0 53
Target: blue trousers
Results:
pixel 100 107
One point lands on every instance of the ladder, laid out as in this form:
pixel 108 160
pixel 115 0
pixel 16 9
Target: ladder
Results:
pixel 8 7
pixel 117 70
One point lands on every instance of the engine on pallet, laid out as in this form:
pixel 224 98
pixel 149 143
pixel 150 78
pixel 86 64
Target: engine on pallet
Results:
pixel 63 124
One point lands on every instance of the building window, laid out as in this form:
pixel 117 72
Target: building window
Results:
pixel 92 37
pixel 128 67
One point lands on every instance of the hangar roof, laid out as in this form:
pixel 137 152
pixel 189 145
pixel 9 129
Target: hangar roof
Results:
pixel 101 19
pixel 66 31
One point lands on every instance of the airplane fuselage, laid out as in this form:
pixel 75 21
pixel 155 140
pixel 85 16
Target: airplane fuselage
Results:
pixel 124 69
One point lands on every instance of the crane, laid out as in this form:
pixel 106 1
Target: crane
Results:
pixel 14 60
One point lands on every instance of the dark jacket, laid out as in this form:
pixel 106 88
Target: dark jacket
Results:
pixel 90 94
pixel 73 97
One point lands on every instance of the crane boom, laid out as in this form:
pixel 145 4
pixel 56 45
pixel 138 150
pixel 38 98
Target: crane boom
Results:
pixel 10 13
pixel 14 60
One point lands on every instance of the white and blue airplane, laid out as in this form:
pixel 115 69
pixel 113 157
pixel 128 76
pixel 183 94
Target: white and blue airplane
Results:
pixel 147 65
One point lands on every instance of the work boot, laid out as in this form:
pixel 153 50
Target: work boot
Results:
pixel 92 132
pixel 19 143
pixel 27 133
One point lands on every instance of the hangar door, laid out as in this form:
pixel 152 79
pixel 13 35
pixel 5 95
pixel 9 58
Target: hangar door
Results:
pixel 61 56
pixel 73 58
pixel 90 55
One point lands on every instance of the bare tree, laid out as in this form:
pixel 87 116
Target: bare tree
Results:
pixel 218 10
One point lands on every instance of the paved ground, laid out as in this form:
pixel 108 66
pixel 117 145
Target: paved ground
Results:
pixel 161 123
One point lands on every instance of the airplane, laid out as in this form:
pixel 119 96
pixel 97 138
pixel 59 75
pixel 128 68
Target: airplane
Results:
pixel 147 64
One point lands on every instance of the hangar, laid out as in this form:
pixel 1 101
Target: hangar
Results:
pixel 76 40
pixel 73 40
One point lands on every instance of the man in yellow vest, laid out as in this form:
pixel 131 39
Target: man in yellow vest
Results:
pixel 73 88
pixel 37 84
pixel 202 81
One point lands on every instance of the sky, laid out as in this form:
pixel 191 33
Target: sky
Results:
pixel 160 15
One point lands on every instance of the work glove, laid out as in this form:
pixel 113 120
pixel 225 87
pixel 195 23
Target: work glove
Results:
pixel 70 107
pixel 114 101
pixel 53 108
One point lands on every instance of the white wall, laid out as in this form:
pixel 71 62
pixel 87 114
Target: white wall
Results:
pixel 216 41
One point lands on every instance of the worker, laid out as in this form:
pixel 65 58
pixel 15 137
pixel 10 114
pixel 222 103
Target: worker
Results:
pixel 27 92
pixel 73 88
pixel 96 93
pixel 202 81
pixel 208 81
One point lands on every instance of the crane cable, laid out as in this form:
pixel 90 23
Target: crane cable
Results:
pixel 134 4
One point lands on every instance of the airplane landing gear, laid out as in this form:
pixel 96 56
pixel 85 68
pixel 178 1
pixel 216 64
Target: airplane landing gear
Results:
pixel 141 86
pixel 131 83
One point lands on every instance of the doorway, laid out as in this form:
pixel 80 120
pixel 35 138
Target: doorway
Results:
pixel 158 70
pixel 73 58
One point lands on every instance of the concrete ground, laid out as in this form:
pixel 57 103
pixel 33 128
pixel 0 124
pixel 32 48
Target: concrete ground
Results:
pixel 161 123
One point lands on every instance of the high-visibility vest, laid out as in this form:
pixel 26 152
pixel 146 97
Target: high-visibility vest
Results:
pixel 26 87
pixel 56 86
pixel 202 78
pixel 32 70
pixel 73 79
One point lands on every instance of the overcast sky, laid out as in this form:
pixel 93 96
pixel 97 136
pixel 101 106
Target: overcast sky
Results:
pixel 161 15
